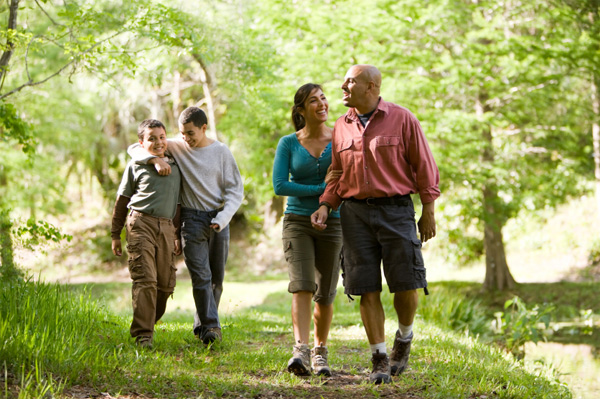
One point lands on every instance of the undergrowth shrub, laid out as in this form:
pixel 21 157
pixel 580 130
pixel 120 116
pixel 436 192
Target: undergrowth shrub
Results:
pixel 449 309
pixel 44 328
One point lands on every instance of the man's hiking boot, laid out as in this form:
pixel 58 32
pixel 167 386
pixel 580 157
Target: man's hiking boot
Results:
pixel 400 353
pixel 143 341
pixel 381 368
pixel 299 364
pixel 212 335
pixel 319 361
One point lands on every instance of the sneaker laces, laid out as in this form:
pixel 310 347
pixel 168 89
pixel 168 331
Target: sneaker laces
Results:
pixel 320 360
pixel 380 362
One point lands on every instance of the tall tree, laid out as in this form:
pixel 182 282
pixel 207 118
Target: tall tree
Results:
pixel 498 84
pixel 583 16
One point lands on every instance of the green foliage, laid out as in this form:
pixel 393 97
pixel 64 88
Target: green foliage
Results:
pixel 12 127
pixel 594 255
pixel 454 312
pixel 519 325
pixel 34 233
pixel 502 90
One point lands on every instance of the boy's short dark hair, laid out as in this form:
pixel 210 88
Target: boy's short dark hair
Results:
pixel 149 123
pixel 194 115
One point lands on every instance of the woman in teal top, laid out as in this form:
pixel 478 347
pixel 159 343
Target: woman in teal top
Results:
pixel 300 170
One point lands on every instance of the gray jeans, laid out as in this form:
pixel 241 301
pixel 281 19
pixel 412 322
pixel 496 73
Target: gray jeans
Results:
pixel 205 252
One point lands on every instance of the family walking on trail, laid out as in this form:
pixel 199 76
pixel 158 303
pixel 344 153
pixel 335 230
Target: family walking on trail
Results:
pixel 349 207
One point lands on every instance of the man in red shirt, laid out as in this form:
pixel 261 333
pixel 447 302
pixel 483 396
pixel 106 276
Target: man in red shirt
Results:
pixel 383 157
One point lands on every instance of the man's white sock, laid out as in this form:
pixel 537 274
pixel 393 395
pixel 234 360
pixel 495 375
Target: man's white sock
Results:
pixel 404 330
pixel 378 347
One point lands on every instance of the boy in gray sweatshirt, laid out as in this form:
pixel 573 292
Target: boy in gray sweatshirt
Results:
pixel 212 191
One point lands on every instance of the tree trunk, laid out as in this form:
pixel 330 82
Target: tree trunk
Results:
pixel 207 83
pixel 273 211
pixel 7 54
pixel 596 136
pixel 497 273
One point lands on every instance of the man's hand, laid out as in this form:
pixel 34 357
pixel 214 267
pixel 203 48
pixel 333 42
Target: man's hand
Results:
pixel 332 174
pixel 215 227
pixel 116 247
pixel 162 167
pixel 427 222
pixel 177 247
pixel 319 217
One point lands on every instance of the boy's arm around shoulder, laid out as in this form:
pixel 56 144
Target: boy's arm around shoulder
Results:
pixel 143 157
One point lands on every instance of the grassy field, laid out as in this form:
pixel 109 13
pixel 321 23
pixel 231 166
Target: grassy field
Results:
pixel 73 342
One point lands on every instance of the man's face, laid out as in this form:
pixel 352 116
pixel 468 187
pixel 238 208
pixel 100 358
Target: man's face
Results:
pixel 155 141
pixel 192 134
pixel 354 88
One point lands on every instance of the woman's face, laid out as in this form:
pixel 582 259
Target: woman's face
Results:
pixel 315 108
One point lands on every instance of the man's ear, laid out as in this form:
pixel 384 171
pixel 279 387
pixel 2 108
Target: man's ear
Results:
pixel 204 127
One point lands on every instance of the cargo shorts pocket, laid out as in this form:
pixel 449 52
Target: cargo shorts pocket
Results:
pixel 288 251
pixel 136 267
pixel 418 264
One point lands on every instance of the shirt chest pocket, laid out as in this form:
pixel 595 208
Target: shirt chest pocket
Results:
pixel 387 148
pixel 346 150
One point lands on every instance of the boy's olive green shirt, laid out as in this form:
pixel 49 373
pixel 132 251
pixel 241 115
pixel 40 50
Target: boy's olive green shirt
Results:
pixel 151 193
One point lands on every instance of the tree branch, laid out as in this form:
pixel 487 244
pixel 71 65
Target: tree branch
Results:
pixel 32 83
pixel 48 15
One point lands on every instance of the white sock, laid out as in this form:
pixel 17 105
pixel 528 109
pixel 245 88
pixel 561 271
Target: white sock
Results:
pixel 404 330
pixel 378 347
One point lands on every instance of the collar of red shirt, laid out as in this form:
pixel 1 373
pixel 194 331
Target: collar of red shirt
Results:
pixel 352 115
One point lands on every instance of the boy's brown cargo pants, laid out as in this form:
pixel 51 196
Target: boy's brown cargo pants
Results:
pixel 151 248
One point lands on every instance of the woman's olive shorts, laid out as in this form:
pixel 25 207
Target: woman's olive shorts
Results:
pixel 313 256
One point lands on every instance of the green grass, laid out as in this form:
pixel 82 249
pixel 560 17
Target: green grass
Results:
pixel 55 339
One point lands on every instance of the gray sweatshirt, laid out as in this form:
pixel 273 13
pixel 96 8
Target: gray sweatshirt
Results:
pixel 210 177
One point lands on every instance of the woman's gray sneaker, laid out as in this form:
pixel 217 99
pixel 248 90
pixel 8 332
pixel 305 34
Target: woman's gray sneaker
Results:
pixel 319 361
pixel 400 353
pixel 299 364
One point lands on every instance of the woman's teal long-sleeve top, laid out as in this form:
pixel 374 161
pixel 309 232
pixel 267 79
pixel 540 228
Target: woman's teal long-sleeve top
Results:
pixel 300 176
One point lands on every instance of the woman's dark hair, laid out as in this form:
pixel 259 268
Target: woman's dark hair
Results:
pixel 299 99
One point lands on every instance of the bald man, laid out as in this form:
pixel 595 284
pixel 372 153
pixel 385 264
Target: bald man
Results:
pixel 384 158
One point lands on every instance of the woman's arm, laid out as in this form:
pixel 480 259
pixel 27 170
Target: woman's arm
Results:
pixel 281 174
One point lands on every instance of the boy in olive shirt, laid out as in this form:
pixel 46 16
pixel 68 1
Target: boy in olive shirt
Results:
pixel 152 231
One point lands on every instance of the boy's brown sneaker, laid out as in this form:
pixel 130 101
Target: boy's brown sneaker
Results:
pixel 381 368
pixel 212 335
pixel 319 361
pixel 400 353
pixel 143 341
pixel 299 364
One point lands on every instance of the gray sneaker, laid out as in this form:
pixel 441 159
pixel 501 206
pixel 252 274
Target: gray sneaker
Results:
pixel 212 335
pixel 400 353
pixel 381 368
pixel 299 364
pixel 319 361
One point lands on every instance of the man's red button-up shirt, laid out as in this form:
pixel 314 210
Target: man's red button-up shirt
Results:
pixel 389 156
